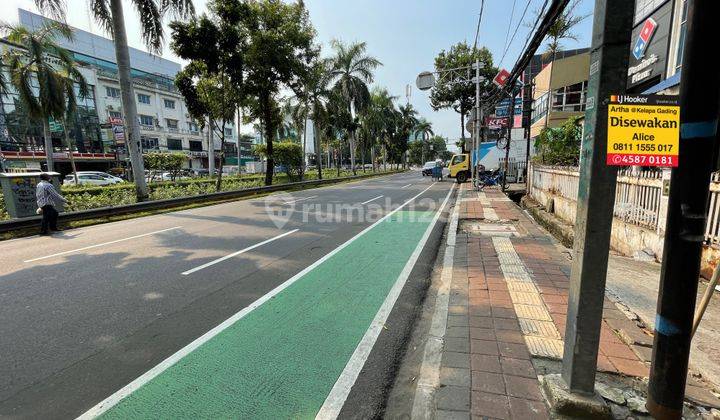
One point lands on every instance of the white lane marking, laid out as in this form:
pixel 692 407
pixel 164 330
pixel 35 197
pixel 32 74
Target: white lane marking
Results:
pixel 102 244
pixel 235 254
pixel 372 199
pixel 336 399
pixel 128 389
pixel 300 199
pixel 405 186
pixel 429 377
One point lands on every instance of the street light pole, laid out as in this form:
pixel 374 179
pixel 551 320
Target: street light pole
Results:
pixel 476 126
pixel 612 28
pixel 687 213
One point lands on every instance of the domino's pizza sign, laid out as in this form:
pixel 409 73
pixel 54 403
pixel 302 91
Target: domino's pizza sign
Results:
pixel 649 48
pixel 643 39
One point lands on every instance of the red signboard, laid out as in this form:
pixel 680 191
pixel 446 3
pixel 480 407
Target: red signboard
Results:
pixel 495 122
pixel 501 78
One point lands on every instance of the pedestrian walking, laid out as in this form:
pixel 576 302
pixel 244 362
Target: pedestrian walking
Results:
pixel 47 201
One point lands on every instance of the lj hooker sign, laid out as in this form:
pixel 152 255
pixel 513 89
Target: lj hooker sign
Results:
pixel 643 130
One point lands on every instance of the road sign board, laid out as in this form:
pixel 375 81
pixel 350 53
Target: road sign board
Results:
pixel 425 80
pixel 643 130
pixel 55 126
pixel 501 78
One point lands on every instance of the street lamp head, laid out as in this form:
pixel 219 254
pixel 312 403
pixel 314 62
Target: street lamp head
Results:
pixel 425 80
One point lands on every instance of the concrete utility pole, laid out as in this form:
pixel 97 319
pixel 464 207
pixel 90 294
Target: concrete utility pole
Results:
pixel 687 209
pixel 511 121
pixel 476 126
pixel 612 28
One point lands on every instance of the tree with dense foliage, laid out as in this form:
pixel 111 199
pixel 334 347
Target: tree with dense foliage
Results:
pixel 459 93
pixel 40 60
pixel 424 128
pixel 280 48
pixel 288 155
pixel 163 162
pixel 110 15
pixel 316 92
pixel 352 71
pixel 561 145
pixel 433 148
pixel 212 82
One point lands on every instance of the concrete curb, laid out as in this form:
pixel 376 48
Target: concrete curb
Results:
pixel 564 232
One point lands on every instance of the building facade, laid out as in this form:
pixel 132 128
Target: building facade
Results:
pixel 560 91
pixel 98 135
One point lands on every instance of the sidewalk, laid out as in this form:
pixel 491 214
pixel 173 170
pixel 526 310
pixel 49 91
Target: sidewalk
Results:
pixel 505 320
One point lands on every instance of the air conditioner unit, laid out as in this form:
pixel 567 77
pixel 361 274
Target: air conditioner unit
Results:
pixel 110 108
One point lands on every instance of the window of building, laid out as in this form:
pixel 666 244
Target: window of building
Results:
pixel 146 120
pixel 174 144
pixel 114 114
pixel 228 132
pixel 143 99
pixel 192 126
pixel 169 103
pixel 570 98
pixel 539 108
pixel 196 146
pixel 112 92
pixel 171 124
pixel 149 143
pixel 683 30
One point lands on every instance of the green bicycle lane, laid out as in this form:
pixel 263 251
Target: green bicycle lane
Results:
pixel 282 358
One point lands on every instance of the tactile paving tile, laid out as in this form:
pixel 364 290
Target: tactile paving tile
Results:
pixel 543 329
pixel 526 298
pixel 544 347
pixel 521 286
pixel 532 312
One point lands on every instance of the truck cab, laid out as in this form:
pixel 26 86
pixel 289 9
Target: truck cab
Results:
pixel 459 167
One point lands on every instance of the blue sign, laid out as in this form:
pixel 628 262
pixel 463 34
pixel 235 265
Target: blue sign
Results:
pixel 503 107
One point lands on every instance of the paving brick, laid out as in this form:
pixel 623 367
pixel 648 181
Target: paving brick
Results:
pixel 460 332
pixel 503 313
pixel 517 367
pixel 508 336
pixel 480 310
pixel 643 353
pixel 488 382
pixel 484 347
pixel 482 333
pixel 460 345
pixel 452 415
pixel 630 367
pixel 457 321
pixel 514 350
pixel 481 322
pixel 458 310
pixel 521 409
pixel 618 350
pixel 455 376
pixel 485 363
pixel 521 387
pixel 490 405
pixel 454 398
pixel 455 359
pixel 506 324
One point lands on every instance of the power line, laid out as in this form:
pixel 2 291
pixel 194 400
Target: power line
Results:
pixel 507 45
pixel 477 31
pixel 507 34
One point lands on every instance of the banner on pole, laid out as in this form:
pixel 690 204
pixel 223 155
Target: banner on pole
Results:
pixel 643 130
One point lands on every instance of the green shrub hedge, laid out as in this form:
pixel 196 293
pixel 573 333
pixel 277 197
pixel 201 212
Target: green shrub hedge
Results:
pixel 85 198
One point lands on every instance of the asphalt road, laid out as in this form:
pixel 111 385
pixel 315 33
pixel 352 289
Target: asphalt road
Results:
pixel 87 312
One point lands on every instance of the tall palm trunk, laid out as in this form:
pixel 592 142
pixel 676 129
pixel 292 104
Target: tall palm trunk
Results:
pixel 352 152
pixel 218 184
pixel 318 151
pixel 70 151
pixel 132 124
pixel 372 156
pixel 269 137
pixel 384 158
pixel 304 159
pixel 211 149
pixel 48 145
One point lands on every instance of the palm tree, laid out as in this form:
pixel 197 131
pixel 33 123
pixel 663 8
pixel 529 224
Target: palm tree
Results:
pixel 316 95
pixel 41 61
pixel 560 30
pixel 72 79
pixel 424 128
pixel 408 118
pixel 109 14
pixel 352 72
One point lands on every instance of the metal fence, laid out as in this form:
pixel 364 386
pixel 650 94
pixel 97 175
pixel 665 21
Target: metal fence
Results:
pixel 712 228
pixel 638 197
pixel 516 169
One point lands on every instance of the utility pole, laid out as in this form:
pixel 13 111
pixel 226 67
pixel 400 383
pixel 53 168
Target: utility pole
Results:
pixel 687 209
pixel 239 124
pixel 476 125
pixel 511 122
pixel 612 28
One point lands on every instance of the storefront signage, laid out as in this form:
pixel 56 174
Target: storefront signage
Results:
pixel 650 40
pixel 643 130
pixel 494 123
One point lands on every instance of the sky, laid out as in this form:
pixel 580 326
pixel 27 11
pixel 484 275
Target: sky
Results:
pixel 405 35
